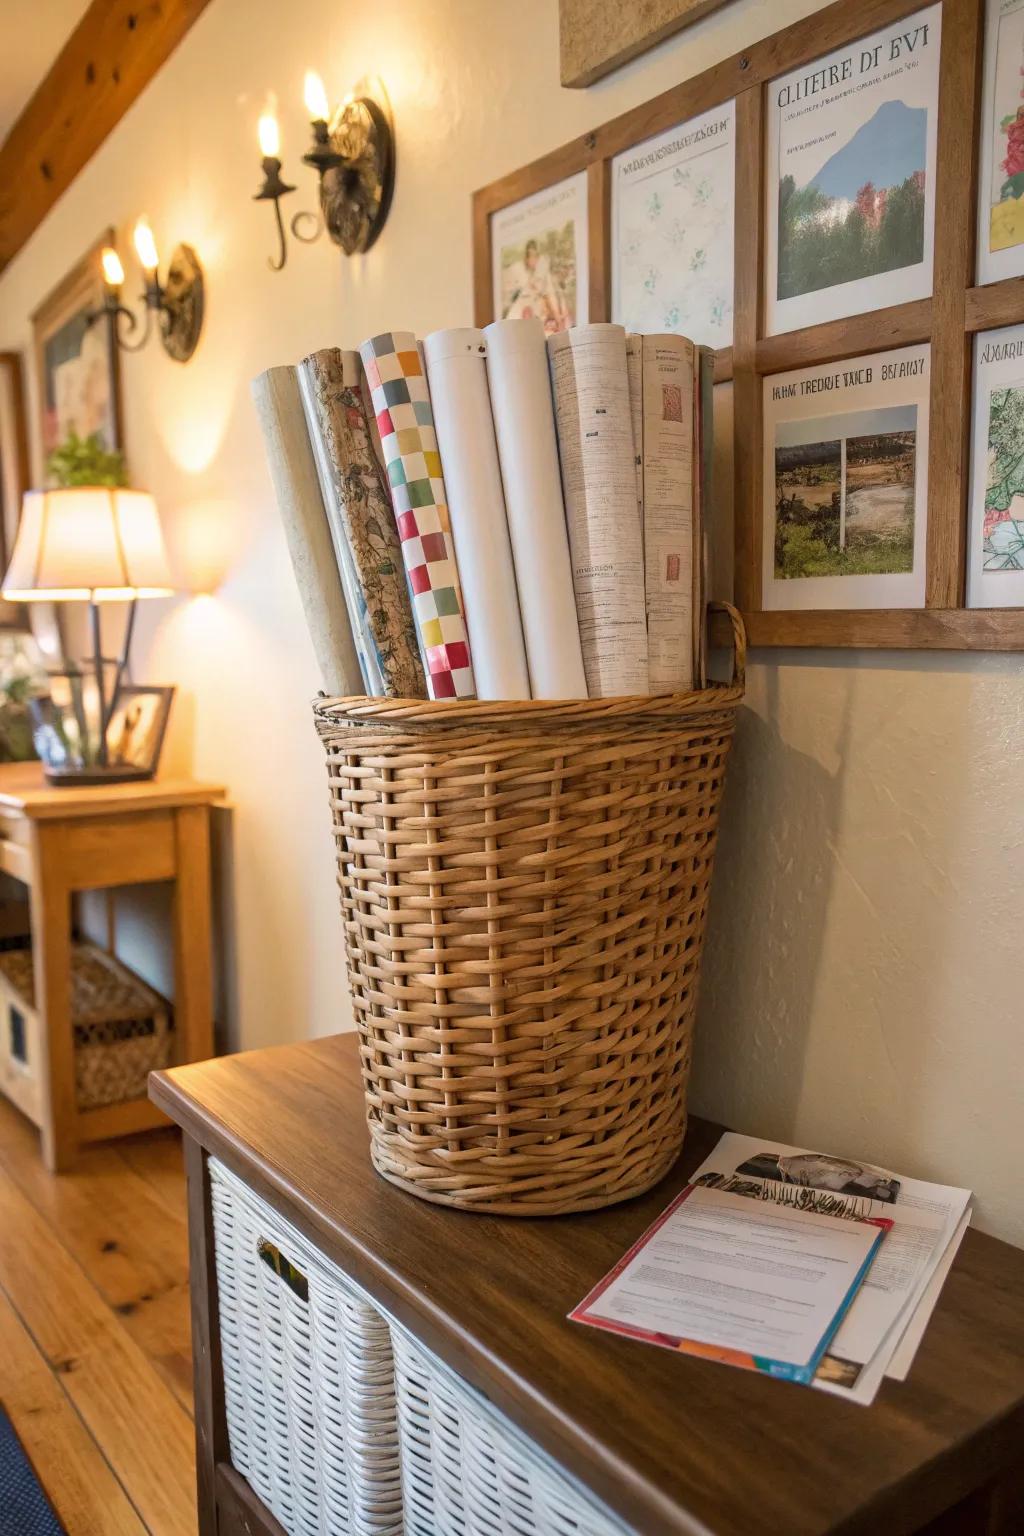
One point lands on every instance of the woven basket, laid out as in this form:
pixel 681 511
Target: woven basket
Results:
pixel 524 889
pixel 122 1028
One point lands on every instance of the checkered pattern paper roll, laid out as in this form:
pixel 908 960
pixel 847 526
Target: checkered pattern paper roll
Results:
pixel 401 404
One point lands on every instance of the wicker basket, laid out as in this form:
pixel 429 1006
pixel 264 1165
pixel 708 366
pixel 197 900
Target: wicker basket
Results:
pixel 342 1423
pixel 524 889
pixel 122 1027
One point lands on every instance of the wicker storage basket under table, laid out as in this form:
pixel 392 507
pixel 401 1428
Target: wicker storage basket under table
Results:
pixel 524 890
pixel 122 1028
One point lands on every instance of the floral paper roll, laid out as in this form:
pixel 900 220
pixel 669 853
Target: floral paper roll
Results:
pixel 359 501
pixel 401 403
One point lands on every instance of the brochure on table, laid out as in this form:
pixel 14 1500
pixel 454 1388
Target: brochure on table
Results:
pixel 742 1282
pixel 926 1219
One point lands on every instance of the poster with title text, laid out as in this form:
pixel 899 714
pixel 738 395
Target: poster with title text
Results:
pixel 846 483
pixel 850 177
pixel 672 230
pixel 539 263
pixel 1001 179
pixel 995 550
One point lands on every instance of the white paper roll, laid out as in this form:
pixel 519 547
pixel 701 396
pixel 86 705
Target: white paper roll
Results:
pixel 457 376
pixel 524 424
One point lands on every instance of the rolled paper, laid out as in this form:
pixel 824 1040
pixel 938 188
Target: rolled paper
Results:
pixel 359 508
pixel 460 399
pixel 304 518
pixel 524 424
pixel 596 452
pixel 401 403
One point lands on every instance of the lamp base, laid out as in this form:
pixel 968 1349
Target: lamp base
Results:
pixel 75 778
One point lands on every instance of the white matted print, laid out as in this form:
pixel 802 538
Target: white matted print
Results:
pixel 539 261
pixel 672 230
pixel 846 483
pixel 995 552
pixel 1001 181
pixel 850 177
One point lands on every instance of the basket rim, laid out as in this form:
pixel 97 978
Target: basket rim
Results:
pixel 359 710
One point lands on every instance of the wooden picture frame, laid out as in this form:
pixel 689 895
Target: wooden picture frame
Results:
pixel 14 473
pixel 139 742
pixel 949 319
pixel 78 364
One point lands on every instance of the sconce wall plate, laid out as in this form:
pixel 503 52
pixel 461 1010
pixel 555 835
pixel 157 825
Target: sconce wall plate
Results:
pixel 181 317
pixel 357 184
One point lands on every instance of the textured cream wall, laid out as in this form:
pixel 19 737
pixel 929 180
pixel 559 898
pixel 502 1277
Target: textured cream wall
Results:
pixel 861 988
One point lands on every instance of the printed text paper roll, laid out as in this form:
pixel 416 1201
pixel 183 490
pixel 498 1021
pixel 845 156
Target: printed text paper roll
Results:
pixel 597 456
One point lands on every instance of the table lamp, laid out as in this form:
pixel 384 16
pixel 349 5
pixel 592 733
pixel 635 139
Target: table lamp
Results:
pixel 97 545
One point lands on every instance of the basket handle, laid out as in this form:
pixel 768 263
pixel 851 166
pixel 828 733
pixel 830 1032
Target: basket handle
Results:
pixel 739 642
pixel 290 1273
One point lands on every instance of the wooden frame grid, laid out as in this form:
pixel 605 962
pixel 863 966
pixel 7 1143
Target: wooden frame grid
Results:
pixel 948 320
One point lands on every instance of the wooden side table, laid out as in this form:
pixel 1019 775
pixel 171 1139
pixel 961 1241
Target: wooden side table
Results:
pixel 59 841
pixel 305 1264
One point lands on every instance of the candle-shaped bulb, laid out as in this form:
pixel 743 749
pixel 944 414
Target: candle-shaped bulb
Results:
pixel 315 97
pixel 270 137
pixel 145 247
pixel 113 272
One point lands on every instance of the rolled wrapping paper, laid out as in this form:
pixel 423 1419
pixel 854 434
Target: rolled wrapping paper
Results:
pixel 304 518
pixel 359 507
pixel 401 403
pixel 355 601
pixel 524 425
pixel 459 397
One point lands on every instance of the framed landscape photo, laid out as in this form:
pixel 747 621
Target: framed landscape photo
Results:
pixel 672 230
pixel 1001 174
pixel 539 257
pixel 846 483
pixel 77 358
pixel 850 177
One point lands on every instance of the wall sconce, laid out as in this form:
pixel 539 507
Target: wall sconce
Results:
pixel 353 153
pixel 178 302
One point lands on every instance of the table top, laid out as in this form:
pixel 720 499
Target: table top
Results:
pixel 670 1443
pixel 24 790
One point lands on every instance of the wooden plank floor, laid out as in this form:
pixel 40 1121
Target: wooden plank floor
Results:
pixel 95 1368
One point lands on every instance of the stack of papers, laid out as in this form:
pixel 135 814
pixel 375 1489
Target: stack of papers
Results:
pixel 819 1269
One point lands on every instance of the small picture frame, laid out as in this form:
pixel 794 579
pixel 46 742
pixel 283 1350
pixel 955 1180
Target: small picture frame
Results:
pixel 137 725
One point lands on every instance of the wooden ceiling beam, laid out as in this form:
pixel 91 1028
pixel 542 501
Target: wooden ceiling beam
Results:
pixel 109 59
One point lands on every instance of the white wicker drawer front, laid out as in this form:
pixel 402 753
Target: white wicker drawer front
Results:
pixel 308 1375
pixel 466 1471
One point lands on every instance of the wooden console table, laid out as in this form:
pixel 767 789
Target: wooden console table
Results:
pixel 640 1439
pixel 62 840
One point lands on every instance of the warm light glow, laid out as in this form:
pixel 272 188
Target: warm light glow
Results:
pixel 88 542
pixel 145 246
pixel 270 137
pixel 315 97
pixel 113 272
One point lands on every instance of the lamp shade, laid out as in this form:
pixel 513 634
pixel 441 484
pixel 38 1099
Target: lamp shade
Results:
pixel 88 543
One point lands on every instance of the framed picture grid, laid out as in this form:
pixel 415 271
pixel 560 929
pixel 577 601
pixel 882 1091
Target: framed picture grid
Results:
pixel 874 157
